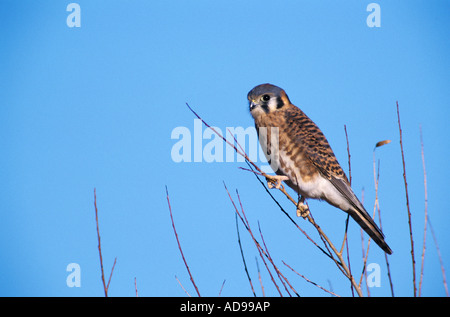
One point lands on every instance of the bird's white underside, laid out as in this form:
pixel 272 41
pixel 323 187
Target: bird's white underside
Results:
pixel 317 188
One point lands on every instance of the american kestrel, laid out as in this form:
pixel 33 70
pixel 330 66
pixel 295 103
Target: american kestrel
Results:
pixel 304 159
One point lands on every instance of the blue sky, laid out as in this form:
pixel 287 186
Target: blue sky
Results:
pixel 95 107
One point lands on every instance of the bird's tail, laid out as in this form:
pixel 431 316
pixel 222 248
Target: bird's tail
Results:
pixel 370 227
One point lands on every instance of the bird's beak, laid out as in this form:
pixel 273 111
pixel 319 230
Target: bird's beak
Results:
pixel 253 104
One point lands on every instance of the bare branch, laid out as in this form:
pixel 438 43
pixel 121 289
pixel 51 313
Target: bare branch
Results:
pixel 179 246
pixel 407 205
pixel 243 258
pixel 135 287
pixel 349 156
pixel 280 275
pixel 244 220
pixel 182 286
pixel 444 279
pixel 427 220
pixel 377 204
pixel 110 274
pixel 105 286
pixel 221 288
pixel 348 215
pixel 426 214
pixel 259 277
pixel 309 281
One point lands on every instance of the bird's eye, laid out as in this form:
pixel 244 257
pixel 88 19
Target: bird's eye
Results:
pixel 265 97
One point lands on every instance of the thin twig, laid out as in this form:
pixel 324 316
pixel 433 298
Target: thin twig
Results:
pixel 221 288
pixel 282 278
pixel 349 156
pixel 110 275
pixel 135 287
pixel 425 212
pixel 444 279
pixel 309 281
pixel 341 263
pixel 407 205
pixel 261 251
pixel 179 246
pixel 386 258
pixel 348 215
pixel 105 286
pixel 364 272
pixel 243 258
pixel 377 180
pixel 427 220
pixel 242 153
pixel 99 245
pixel 348 251
pixel 182 286
pixel 259 277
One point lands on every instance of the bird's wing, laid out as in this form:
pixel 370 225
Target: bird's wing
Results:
pixel 307 135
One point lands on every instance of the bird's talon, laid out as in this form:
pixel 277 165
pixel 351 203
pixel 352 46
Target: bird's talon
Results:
pixel 302 210
pixel 275 181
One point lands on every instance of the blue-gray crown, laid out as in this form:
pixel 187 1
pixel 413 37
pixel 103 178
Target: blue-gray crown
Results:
pixel 264 89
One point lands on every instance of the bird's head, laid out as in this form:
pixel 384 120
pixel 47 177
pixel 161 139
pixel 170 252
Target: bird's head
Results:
pixel 266 98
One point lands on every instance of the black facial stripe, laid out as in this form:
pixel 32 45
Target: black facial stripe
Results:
pixel 280 102
pixel 265 107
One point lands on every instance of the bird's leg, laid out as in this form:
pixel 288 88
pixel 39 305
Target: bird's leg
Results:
pixel 275 180
pixel 302 208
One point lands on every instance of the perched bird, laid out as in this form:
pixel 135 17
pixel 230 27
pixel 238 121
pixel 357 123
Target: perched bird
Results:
pixel 303 158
